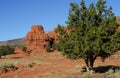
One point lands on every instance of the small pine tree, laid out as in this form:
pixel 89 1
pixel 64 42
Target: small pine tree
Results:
pixel 91 33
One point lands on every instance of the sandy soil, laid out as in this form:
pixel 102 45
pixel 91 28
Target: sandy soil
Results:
pixel 51 65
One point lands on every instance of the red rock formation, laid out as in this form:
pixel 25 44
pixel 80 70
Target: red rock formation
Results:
pixel 118 20
pixel 36 39
pixel 53 35
pixel 18 51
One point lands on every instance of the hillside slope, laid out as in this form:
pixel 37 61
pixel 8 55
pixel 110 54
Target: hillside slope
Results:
pixel 14 42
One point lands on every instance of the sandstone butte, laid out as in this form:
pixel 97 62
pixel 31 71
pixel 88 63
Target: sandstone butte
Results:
pixel 37 39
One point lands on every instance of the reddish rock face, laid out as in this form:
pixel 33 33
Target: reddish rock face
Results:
pixel 118 20
pixel 36 39
pixel 18 51
pixel 53 35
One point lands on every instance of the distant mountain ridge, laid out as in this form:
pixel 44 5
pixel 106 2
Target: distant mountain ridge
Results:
pixel 14 42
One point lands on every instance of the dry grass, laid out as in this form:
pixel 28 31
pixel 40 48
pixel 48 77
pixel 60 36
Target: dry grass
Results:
pixel 18 61
pixel 54 65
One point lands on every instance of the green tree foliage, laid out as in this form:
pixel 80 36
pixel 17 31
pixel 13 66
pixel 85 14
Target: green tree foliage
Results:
pixel 50 45
pixel 6 50
pixel 91 32
pixel 24 48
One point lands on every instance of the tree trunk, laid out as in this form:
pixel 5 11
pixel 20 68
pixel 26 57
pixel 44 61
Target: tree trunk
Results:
pixel 91 66
pixel 87 64
pixel 92 60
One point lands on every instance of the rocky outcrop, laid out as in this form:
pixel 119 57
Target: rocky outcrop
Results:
pixel 118 20
pixel 53 35
pixel 18 51
pixel 36 39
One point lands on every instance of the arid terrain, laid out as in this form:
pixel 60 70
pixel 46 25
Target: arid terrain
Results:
pixel 86 45
pixel 53 65
pixel 42 64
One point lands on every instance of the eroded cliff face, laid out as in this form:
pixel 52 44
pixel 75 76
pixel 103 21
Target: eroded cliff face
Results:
pixel 36 39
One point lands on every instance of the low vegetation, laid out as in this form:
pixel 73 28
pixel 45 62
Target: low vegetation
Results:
pixel 48 48
pixel 5 65
pixel 6 50
pixel 114 73
pixel 31 64
pixel 87 75
pixel 24 48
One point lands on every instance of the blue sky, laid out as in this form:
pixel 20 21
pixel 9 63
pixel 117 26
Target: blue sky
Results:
pixel 17 16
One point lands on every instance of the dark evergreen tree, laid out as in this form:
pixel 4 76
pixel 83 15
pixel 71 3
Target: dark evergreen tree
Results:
pixel 91 33
pixel 6 50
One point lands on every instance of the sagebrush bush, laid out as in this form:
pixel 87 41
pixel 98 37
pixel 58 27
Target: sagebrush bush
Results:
pixel 80 66
pixel 87 75
pixel 110 72
pixel 6 65
pixel 117 73
pixel 31 64
pixel 113 73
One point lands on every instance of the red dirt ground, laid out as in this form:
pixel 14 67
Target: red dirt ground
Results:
pixel 53 65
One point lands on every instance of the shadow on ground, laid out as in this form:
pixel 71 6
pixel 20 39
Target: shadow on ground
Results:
pixel 103 69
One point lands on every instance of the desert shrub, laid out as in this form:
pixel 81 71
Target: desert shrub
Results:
pixel 80 66
pixel 117 73
pixel 6 50
pixel 31 64
pixel 56 46
pixel 114 73
pixel 24 48
pixel 6 65
pixel 87 75
pixel 110 72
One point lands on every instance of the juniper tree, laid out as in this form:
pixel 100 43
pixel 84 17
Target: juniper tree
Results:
pixel 91 32
pixel 6 50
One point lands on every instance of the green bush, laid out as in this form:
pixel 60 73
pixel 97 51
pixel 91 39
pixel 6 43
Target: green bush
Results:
pixel 6 50
pixel 6 65
pixel 24 48
pixel 87 75
pixel 117 73
pixel 80 66
pixel 48 47
pixel 114 73
pixel 56 46
pixel 31 64
pixel 110 72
